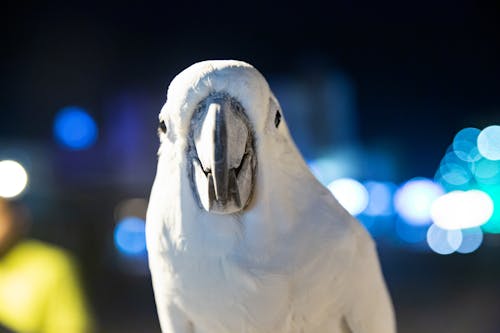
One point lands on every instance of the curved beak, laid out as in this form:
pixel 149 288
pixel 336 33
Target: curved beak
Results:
pixel 223 163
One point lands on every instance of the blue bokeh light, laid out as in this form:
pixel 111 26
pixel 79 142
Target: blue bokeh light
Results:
pixel 453 172
pixel 413 200
pixel 472 240
pixel 130 237
pixel 453 176
pixel 380 202
pixel 464 144
pixel 325 169
pixel 74 128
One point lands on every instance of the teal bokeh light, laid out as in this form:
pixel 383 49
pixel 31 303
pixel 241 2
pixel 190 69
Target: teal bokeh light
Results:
pixel 493 224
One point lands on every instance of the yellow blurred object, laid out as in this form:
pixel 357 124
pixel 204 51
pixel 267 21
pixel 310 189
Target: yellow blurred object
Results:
pixel 40 291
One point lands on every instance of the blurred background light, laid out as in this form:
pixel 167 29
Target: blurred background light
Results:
pixel 413 200
pixel 493 225
pixel 325 169
pixel 74 128
pixel 462 209
pixel 333 165
pixel 486 171
pixel 351 194
pixel 380 198
pixel 472 239
pixel 464 144
pixel 13 179
pixel 443 241
pixel 488 142
pixel 129 236
pixel 453 173
pixel 410 233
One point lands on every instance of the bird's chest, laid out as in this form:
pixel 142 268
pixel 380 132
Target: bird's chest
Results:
pixel 224 294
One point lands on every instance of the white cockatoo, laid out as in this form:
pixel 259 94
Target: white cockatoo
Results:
pixel 241 236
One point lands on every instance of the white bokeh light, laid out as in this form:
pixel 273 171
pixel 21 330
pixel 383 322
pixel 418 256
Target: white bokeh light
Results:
pixel 413 200
pixel 443 241
pixel 488 142
pixel 13 179
pixel 462 209
pixel 351 194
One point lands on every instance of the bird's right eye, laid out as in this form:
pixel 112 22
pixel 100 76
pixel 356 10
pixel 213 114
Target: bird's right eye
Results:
pixel 277 119
pixel 162 127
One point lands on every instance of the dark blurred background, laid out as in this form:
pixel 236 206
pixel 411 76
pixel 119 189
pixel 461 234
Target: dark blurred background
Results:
pixel 371 91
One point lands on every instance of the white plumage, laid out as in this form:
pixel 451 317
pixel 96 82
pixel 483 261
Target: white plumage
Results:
pixel 290 260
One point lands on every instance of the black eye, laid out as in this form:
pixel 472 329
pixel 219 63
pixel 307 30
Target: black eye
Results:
pixel 162 127
pixel 277 119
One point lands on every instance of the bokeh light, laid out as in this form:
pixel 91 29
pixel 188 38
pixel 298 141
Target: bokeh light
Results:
pixel 488 142
pixel 413 200
pixel 464 144
pixel 493 225
pixel 129 236
pixel 453 173
pixel 462 209
pixel 380 198
pixel 410 233
pixel 325 169
pixel 487 171
pixel 13 179
pixel 74 128
pixel 443 241
pixel 351 194
pixel 472 239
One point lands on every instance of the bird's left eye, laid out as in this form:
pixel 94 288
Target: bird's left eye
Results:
pixel 277 119
pixel 162 127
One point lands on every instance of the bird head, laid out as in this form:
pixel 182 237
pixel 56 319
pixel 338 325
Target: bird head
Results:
pixel 221 124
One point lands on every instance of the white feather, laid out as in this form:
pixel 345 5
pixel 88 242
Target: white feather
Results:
pixel 293 261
